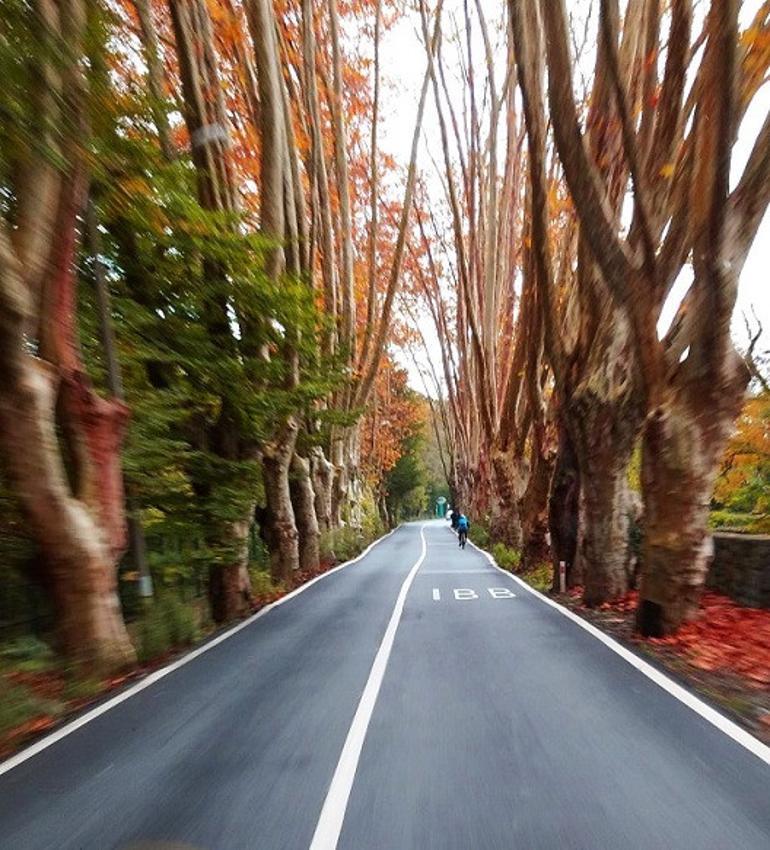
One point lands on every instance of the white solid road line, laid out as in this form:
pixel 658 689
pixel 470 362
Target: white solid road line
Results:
pixel 329 826
pixel 732 730
pixel 72 726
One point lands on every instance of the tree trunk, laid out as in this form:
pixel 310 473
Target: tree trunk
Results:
pixel 606 433
pixel 303 501
pixel 276 465
pixel 80 556
pixel 230 593
pixel 505 524
pixel 323 480
pixel 683 447
pixel 340 483
pixel 563 511
pixel 536 550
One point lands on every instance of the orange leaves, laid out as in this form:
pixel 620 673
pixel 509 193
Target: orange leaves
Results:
pixel 395 414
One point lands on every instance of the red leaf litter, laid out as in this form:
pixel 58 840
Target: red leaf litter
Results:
pixel 725 638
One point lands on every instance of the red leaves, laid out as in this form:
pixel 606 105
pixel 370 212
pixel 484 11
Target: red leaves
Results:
pixel 726 637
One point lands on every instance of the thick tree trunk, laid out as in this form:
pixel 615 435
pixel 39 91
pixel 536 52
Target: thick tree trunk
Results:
pixel 303 500
pixel 323 480
pixel 563 511
pixel 339 478
pixel 510 480
pixel 683 446
pixel 230 593
pixel 535 549
pixel 276 465
pixel 80 555
pixel 606 432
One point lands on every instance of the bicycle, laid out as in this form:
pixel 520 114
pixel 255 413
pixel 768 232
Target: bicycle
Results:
pixel 463 538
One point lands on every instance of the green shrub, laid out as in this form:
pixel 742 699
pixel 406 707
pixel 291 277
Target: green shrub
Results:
pixel 27 653
pixel 167 624
pixel 746 523
pixel 19 705
pixel 342 544
pixel 541 577
pixel 262 583
pixel 152 634
pixel 506 558
pixel 181 620
pixel 480 536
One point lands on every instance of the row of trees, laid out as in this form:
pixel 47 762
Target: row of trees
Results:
pixel 547 294
pixel 210 174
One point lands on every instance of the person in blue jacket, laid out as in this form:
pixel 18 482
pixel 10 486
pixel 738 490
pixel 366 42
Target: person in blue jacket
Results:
pixel 463 527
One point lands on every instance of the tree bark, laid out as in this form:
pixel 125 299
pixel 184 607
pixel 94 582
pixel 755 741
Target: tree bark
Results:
pixel 230 594
pixel 682 450
pixel 322 473
pixel 304 501
pixel 535 550
pixel 80 554
pixel 505 524
pixel 276 465
pixel 605 431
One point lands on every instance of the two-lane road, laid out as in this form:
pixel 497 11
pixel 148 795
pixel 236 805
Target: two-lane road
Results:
pixel 416 699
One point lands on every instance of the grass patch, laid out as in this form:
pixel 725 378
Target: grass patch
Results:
pixel 745 523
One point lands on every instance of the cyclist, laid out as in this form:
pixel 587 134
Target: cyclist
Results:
pixel 463 526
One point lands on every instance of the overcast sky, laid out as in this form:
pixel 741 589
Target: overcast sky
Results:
pixel 403 65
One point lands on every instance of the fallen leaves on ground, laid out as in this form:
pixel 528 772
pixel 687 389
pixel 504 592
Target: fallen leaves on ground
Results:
pixel 726 636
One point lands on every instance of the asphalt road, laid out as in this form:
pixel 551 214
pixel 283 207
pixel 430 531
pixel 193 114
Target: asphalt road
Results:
pixel 494 722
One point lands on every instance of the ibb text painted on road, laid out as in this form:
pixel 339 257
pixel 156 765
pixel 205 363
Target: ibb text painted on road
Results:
pixel 467 593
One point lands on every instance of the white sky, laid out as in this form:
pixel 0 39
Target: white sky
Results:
pixel 403 66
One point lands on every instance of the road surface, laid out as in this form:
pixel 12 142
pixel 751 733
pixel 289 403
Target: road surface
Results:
pixel 474 717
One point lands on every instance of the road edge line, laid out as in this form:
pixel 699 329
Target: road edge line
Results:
pixel 707 712
pixel 332 816
pixel 151 678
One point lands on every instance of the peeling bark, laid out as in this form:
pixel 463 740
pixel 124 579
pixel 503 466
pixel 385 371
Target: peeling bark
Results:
pixel 303 502
pixel 682 450
pixel 283 536
pixel 230 592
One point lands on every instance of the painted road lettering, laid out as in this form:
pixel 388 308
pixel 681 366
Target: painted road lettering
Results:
pixel 465 594
pixel 501 593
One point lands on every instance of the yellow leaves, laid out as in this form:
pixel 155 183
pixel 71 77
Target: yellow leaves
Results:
pixel 667 170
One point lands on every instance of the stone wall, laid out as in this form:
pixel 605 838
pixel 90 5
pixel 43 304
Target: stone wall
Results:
pixel 741 568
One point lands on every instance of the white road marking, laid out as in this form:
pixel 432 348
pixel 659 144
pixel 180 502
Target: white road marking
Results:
pixel 329 826
pixel 501 593
pixel 462 593
pixel 436 595
pixel 454 572
pixel 732 730
pixel 157 675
